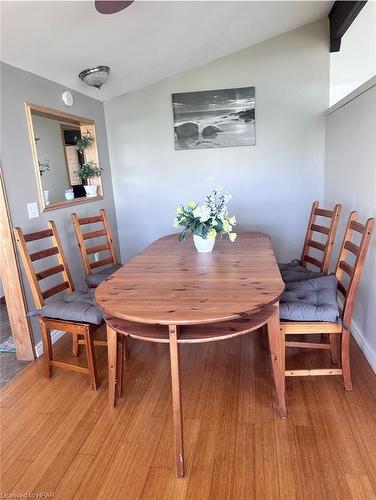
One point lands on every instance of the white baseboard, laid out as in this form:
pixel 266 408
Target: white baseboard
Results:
pixel 364 345
pixel 55 336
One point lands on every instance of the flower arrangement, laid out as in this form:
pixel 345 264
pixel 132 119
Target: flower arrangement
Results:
pixel 208 218
pixel 84 142
pixel 88 170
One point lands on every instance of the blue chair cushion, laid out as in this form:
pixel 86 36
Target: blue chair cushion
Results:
pixel 77 306
pixel 311 300
pixel 96 279
pixel 294 271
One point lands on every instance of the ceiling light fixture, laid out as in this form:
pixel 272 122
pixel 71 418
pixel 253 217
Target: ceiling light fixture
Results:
pixel 95 77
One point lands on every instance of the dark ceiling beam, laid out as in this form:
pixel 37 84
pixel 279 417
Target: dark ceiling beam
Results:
pixel 341 17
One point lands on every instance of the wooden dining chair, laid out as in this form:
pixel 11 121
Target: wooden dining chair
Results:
pixel 297 269
pixel 105 266
pixel 348 278
pixel 75 304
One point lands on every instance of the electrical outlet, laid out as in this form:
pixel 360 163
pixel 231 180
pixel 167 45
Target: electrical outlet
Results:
pixel 33 211
pixel 96 257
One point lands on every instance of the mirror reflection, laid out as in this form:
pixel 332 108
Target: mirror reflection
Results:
pixel 66 158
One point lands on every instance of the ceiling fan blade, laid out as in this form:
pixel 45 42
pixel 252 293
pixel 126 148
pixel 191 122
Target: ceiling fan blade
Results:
pixel 111 7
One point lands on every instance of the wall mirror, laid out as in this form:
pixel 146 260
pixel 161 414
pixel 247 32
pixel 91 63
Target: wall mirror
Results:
pixel 65 156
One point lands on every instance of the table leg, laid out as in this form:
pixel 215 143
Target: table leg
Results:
pixel 277 352
pixel 112 364
pixel 121 339
pixel 176 400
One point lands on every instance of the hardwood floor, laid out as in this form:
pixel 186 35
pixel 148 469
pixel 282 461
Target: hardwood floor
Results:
pixel 59 436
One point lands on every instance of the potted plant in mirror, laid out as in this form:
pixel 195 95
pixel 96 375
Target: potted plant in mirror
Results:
pixel 206 219
pixel 87 171
pixel 84 141
pixel 44 166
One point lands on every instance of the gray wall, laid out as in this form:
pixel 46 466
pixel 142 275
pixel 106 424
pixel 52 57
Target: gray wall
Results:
pixel 273 183
pixel 351 179
pixel 51 146
pixel 18 86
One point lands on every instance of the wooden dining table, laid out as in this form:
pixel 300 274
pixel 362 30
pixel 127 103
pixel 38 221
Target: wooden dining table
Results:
pixel 172 294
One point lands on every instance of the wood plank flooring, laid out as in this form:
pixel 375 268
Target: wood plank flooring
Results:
pixel 59 436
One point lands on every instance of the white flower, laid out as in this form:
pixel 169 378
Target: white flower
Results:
pixel 226 226
pixel 176 223
pixel 232 236
pixel 202 212
pixel 232 220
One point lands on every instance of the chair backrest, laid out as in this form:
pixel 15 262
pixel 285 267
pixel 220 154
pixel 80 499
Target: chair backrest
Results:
pixel 353 271
pixel 88 251
pixel 28 258
pixel 329 232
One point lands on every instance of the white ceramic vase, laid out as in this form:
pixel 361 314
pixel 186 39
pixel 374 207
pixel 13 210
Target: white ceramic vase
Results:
pixel 203 245
pixel 46 195
pixel 91 190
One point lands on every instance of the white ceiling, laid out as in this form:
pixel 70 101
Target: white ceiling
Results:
pixel 142 44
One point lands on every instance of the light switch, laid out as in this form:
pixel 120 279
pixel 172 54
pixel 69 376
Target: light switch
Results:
pixel 33 211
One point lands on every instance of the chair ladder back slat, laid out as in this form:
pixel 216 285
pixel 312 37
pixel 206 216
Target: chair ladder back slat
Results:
pixel 61 257
pixel 316 244
pixel 50 271
pixel 101 262
pixel 42 254
pixel 94 234
pixel 324 213
pixel 90 220
pixel 29 268
pixel 351 247
pixel 320 229
pixel 342 288
pixel 98 248
pixel 55 289
pixel 347 268
pixel 312 260
pixel 356 226
pixel 38 235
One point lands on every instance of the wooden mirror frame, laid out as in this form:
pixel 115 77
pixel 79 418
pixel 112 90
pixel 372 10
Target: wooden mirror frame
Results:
pixel 91 153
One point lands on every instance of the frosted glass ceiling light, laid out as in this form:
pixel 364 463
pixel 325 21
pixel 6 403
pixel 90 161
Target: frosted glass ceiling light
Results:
pixel 95 77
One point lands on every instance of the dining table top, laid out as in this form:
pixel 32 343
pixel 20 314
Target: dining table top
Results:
pixel 170 283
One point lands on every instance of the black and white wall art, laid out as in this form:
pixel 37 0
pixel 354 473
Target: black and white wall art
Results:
pixel 214 118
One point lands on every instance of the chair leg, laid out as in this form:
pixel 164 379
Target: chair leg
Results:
pixel 333 348
pixel 75 345
pixel 345 358
pixel 121 353
pixel 47 349
pixel 90 355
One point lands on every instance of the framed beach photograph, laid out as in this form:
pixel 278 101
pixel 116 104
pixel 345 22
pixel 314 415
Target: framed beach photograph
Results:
pixel 214 118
